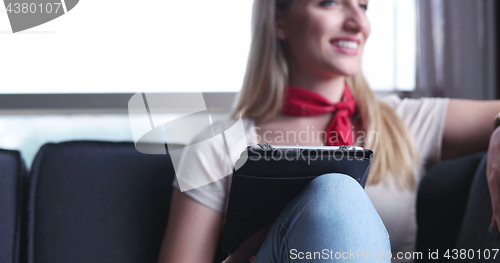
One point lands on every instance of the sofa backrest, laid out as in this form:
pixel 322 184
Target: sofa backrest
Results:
pixel 12 176
pixel 441 201
pixel 97 202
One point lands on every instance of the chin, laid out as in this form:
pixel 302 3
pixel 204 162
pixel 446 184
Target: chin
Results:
pixel 342 66
pixel 346 71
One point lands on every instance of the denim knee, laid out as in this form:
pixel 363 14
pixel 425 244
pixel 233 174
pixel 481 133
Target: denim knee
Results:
pixel 332 193
pixel 327 184
pixel 338 211
pixel 334 212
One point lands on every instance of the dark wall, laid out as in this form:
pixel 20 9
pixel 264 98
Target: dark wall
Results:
pixel 497 16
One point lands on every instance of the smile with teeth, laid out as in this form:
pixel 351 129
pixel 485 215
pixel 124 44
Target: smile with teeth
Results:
pixel 346 44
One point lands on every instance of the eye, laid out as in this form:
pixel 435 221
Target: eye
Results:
pixel 364 7
pixel 328 3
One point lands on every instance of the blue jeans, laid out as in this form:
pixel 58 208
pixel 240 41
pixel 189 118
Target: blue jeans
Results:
pixel 331 220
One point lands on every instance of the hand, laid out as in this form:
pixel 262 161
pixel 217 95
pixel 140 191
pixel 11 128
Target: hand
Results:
pixel 230 260
pixel 493 177
pixel 248 247
pixel 227 260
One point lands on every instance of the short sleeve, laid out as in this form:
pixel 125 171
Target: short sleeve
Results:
pixel 210 195
pixel 208 160
pixel 425 119
pixel 196 162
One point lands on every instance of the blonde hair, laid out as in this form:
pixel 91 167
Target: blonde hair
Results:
pixel 263 90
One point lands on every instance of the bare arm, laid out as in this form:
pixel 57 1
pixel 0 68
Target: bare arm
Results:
pixel 192 232
pixel 468 126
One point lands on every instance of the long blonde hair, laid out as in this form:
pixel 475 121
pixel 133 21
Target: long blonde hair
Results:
pixel 263 90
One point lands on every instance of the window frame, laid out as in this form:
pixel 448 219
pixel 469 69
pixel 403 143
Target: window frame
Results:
pixel 105 103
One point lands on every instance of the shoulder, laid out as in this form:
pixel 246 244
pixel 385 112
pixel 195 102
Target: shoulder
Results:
pixel 212 153
pixel 207 162
pixel 392 100
pixel 424 118
pixel 410 108
pixel 228 129
pixel 395 101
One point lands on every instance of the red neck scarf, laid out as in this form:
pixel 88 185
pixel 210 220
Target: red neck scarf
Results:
pixel 302 102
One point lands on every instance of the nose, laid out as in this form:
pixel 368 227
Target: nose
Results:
pixel 354 21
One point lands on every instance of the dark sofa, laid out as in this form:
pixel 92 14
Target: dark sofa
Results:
pixel 93 201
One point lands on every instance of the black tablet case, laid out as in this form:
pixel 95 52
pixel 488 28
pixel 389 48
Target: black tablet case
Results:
pixel 270 177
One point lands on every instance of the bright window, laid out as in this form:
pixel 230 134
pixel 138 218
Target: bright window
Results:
pixel 389 62
pixel 130 46
pixel 174 46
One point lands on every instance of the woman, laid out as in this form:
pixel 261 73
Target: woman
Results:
pixel 307 53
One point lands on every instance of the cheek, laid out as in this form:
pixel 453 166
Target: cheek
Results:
pixel 367 30
pixel 327 25
pixel 322 29
pixel 299 30
pixel 306 38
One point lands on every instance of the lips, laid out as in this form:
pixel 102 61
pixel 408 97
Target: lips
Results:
pixel 348 46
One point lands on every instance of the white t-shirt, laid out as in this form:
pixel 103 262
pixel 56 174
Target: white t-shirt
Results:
pixel 396 207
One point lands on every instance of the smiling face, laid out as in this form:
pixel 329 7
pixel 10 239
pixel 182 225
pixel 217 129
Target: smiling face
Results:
pixel 325 37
